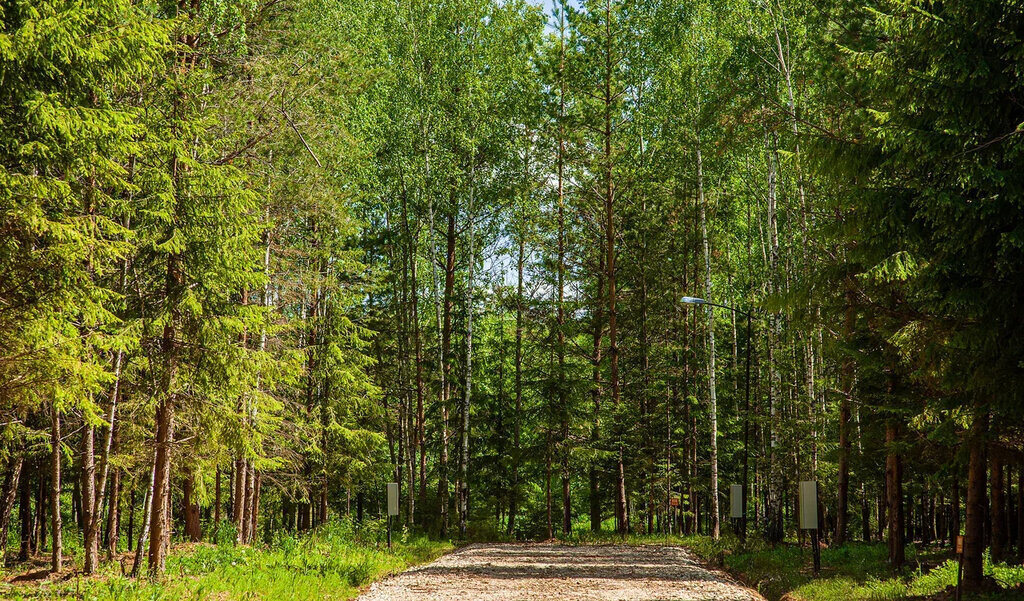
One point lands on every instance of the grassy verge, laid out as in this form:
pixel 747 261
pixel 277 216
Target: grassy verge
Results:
pixel 854 572
pixel 330 563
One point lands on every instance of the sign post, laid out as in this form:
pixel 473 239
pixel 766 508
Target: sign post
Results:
pixel 959 563
pixel 809 517
pixel 736 508
pixel 392 506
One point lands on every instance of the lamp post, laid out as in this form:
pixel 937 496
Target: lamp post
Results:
pixel 692 300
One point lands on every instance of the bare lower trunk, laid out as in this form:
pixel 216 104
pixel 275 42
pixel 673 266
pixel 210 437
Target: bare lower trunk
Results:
pixel 159 521
pixel 547 484
pixel 865 514
pixel 1020 510
pixel 10 492
pixel 894 492
pixel 998 536
pixel 25 517
pixel 217 501
pixel 249 478
pixel 239 496
pixel 57 550
pixel 254 506
pixel 191 507
pixel 114 515
pixel 147 517
pixel 974 528
pixel 90 522
pixel 847 375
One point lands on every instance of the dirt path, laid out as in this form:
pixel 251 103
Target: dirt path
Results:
pixel 539 571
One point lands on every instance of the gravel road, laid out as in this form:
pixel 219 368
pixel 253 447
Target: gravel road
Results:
pixel 541 571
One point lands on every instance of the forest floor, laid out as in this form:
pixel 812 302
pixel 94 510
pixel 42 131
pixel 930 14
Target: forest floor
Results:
pixel 854 572
pixel 332 563
pixel 338 562
pixel 543 571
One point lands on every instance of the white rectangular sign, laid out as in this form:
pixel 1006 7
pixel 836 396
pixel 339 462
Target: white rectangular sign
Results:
pixel 392 498
pixel 736 501
pixel 809 505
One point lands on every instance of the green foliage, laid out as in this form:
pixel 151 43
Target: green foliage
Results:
pixel 855 572
pixel 279 219
pixel 330 563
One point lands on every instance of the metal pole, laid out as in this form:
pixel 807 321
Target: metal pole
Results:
pixel 746 435
pixel 817 551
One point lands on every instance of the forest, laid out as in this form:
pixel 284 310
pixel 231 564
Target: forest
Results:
pixel 555 269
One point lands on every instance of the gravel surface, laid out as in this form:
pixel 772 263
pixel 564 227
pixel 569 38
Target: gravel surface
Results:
pixel 541 571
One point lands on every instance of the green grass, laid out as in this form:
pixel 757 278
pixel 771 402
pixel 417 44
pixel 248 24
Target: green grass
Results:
pixel 854 572
pixel 858 572
pixel 331 563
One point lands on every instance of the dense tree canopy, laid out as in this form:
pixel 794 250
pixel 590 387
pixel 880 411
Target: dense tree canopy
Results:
pixel 259 258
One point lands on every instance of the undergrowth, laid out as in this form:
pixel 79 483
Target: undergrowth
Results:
pixel 853 572
pixel 332 562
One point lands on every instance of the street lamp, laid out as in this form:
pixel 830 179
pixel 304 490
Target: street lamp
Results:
pixel 692 300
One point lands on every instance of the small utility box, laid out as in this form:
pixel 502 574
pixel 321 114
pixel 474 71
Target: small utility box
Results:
pixel 809 517
pixel 809 505
pixel 392 498
pixel 392 506
pixel 736 501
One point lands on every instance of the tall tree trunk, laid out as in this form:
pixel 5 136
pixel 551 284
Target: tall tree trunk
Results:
pixel 100 491
pixel 131 516
pixel 446 345
pixel 464 456
pixel 609 214
pixel 894 492
pixel 865 505
pixel 160 521
pixel 147 519
pixel 773 509
pixel 404 314
pixel 560 284
pixel 254 506
pixel 114 515
pixel 217 501
pixel 442 400
pixel 239 497
pixel 90 519
pixel 517 433
pixel 1020 511
pixel 847 376
pixel 57 547
pixel 712 388
pixel 10 492
pixel 595 392
pixel 998 535
pixel 250 489
pixel 420 385
pixel 974 528
pixel 955 509
pixel 42 505
pixel 25 516
pixel 191 509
